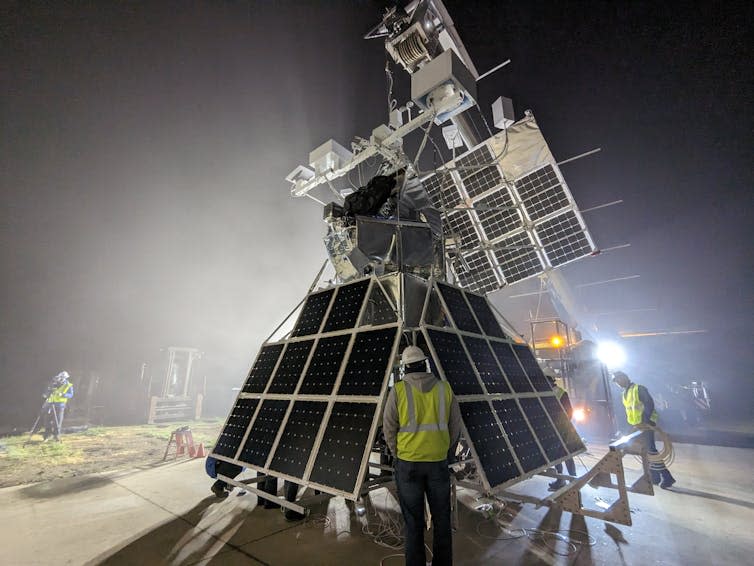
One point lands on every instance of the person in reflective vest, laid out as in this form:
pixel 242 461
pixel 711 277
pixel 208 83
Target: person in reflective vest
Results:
pixel 562 395
pixel 422 425
pixel 640 410
pixel 56 397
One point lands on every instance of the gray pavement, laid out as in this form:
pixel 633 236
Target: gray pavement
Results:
pixel 167 515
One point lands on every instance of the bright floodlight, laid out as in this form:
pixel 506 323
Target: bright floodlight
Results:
pixel 611 354
pixel 579 414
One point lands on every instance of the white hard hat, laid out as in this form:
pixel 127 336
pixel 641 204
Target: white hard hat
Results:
pixel 412 355
pixel 62 375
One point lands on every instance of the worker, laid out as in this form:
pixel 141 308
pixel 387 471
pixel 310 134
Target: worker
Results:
pixel 640 412
pixel 213 467
pixel 56 397
pixel 562 395
pixel 422 425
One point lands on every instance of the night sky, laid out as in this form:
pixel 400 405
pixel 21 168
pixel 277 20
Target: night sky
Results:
pixel 144 150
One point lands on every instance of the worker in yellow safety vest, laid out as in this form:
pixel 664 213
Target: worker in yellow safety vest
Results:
pixel 422 425
pixel 640 410
pixel 55 399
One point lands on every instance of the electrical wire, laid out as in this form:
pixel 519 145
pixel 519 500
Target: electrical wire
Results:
pixel 666 456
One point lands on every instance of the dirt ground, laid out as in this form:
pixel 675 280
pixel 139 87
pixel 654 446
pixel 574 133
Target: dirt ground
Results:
pixel 97 449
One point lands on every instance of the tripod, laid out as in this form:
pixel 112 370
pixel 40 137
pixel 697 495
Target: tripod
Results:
pixel 44 411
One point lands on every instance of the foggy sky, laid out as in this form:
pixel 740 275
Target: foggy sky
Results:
pixel 144 150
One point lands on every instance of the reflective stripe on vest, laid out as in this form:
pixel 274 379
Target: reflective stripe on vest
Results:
pixel 634 406
pixel 423 422
pixel 57 396
pixel 559 392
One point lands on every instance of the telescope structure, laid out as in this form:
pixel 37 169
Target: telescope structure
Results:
pixel 414 254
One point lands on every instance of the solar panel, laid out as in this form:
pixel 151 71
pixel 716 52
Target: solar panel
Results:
pixel 513 370
pixel 442 191
pixel 543 428
pixel 485 316
pixel 262 370
pixel 235 427
pixel 263 432
pixel 368 363
pixel 519 434
pixel 459 226
pixel 343 445
pixel 346 306
pixel 497 462
pixel 517 257
pixel 378 309
pixel 514 195
pixel 454 363
pixel 313 312
pixel 482 181
pixel 295 445
pixel 497 223
pixel 476 272
pixel 486 366
pixel 563 238
pixel 563 424
pixel 532 369
pixel 325 365
pixel 290 368
pixel 459 309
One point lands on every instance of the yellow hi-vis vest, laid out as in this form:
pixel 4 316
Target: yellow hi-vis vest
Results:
pixel 634 407
pixel 423 422
pixel 57 395
pixel 559 392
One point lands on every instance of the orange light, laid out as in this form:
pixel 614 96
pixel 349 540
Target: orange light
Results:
pixel 556 341
pixel 579 415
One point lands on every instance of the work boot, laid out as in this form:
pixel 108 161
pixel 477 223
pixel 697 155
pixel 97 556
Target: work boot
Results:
pixel 218 488
pixel 270 505
pixel 655 476
pixel 556 485
pixel 291 515
pixel 667 479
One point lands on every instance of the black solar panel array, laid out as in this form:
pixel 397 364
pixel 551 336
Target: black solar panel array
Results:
pixel 308 409
pixel 505 230
pixel 513 421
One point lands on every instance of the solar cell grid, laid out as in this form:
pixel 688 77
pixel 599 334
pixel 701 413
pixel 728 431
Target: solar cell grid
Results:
pixel 326 361
pixel 543 428
pixel 482 181
pixel 232 434
pixel 467 165
pixel 532 369
pixel 290 368
pixel 459 309
pixel 313 312
pixel 368 362
pixel 346 306
pixel 519 434
pixel 442 191
pixel 496 223
pixel 563 238
pixel 485 316
pixel 296 442
pixel 474 272
pixel 563 423
pixel 536 182
pixel 517 258
pixel 262 370
pixel 263 432
pixel 459 226
pixel 455 365
pixel 342 449
pixel 544 203
pixel 378 309
pixel 513 370
pixel 486 366
pixel 484 433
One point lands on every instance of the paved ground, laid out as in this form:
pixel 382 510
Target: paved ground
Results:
pixel 166 515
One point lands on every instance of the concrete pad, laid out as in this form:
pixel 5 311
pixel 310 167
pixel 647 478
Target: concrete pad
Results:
pixel 167 515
